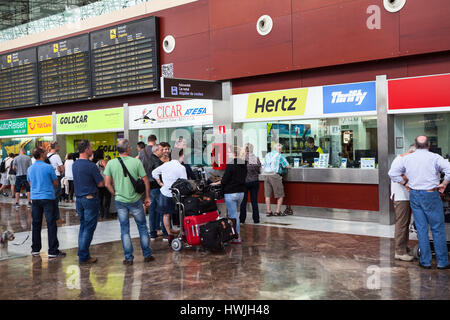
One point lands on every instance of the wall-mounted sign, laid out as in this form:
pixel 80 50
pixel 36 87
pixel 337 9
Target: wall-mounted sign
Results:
pixel 354 97
pixel 26 126
pixel 90 121
pixel 190 89
pixel 172 114
pixel 416 94
pixel 40 125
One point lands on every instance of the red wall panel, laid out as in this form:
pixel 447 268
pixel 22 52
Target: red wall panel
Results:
pixel 329 195
pixel 240 51
pixel 338 34
pixel 425 26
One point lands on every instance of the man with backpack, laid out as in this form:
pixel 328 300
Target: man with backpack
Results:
pixel 55 160
pixel 8 175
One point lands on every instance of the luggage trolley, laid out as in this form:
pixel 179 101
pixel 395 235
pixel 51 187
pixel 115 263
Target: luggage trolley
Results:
pixel 189 233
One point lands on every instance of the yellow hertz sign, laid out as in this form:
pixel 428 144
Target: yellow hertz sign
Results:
pixel 284 103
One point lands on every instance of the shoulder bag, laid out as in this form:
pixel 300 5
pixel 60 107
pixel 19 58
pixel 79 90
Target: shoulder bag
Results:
pixel 139 185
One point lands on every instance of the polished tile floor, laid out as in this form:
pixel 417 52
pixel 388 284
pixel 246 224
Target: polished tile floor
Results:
pixel 278 259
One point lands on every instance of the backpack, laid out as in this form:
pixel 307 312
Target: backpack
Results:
pixel 3 166
pixel 48 158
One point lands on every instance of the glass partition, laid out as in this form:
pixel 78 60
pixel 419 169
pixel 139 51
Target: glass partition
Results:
pixel 349 138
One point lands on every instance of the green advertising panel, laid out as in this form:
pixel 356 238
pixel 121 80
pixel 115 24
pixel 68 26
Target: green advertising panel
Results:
pixel 13 127
pixel 90 121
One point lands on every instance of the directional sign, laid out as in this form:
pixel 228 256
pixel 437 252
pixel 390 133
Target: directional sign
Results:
pixel 173 88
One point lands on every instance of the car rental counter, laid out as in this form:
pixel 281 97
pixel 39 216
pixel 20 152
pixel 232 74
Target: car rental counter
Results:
pixel 338 180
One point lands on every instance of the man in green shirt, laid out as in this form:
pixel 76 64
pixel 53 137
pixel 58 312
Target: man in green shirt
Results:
pixel 128 200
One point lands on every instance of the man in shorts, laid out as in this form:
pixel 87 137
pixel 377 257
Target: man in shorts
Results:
pixel 20 165
pixel 274 163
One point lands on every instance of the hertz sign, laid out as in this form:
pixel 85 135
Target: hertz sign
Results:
pixel 277 103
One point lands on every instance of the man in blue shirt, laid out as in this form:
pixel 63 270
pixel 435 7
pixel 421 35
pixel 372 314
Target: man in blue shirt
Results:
pixel 86 179
pixel 43 181
pixel 420 173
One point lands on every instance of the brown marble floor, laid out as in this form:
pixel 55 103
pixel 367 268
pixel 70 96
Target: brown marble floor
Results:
pixel 272 263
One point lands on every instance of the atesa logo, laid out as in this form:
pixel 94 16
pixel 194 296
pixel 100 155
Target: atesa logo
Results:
pixel 195 111
pixel 352 96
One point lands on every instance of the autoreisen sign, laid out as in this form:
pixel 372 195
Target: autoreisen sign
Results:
pixel 90 121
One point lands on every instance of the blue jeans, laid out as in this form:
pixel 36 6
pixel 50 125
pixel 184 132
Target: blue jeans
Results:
pixel 39 208
pixel 428 210
pixel 253 187
pixel 137 210
pixel 155 214
pixel 87 210
pixel 233 202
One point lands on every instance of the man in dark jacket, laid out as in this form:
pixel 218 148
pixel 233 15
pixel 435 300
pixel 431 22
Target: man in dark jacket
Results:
pixel 151 162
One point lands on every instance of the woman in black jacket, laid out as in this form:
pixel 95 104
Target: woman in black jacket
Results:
pixel 233 183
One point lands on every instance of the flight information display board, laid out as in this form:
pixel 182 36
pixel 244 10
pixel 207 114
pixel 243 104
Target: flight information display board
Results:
pixel 64 70
pixel 18 79
pixel 125 58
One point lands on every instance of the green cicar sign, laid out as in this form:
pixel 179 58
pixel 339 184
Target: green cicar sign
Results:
pixel 13 127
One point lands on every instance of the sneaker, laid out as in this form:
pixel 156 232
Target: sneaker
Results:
pixel 88 261
pixel 35 253
pixel 4 194
pixel 16 206
pixel 149 259
pixel 152 239
pixel 128 262
pixel 29 205
pixel 165 238
pixel 443 268
pixel 60 254
pixel 424 267
pixel 404 257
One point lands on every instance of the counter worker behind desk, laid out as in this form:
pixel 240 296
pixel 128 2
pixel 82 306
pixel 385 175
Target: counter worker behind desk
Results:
pixel 311 147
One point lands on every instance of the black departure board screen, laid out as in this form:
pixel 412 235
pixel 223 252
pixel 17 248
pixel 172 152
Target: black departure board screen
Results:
pixel 125 58
pixel 18 79
pixel 64 70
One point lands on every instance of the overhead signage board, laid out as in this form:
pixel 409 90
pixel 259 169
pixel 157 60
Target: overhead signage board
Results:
pixel 26 126
pixel 18 79
pixel 90 121
pixel 349 98
pixel 173 88
pixel 125 58
pixel 171 114
pixel 64 70
pixel 419 94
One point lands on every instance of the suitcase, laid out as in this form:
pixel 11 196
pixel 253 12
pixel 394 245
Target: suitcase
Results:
pixel 192 225
pixel 227 229
pixel 210 236
pixel 192 206
pixel 207 204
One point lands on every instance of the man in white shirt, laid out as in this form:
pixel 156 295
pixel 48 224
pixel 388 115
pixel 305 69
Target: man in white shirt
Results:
pixel 57 164
pixel 400 199
pixel 169 173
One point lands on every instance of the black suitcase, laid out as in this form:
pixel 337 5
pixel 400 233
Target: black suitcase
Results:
pixel 207 204
pixel 227 229
pixel 191 206
pixel 211 236
pixel 185 187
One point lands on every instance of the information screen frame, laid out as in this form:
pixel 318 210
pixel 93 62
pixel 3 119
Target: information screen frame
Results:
pixel 95 43
pixel 61 54
pixel 10 57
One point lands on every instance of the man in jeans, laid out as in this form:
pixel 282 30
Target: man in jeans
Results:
pixel 20 165
pixel 86 180
pixel 56 162
pixel 400 199
pixel 128 200
pixel 274 163
pixel 420 172
pixel 43 182
pixel 152 162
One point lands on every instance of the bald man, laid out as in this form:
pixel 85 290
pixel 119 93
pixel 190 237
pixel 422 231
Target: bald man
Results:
pixel 421 172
